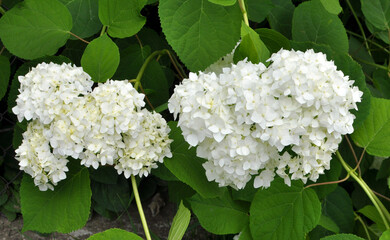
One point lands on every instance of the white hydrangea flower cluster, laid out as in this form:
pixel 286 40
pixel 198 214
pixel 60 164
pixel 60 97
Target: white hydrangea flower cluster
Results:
pixel 286 119
pixel 36 158
pixel 106 125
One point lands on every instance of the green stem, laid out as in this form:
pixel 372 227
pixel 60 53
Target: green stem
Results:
pixel 244 13
pixel 373 64
pixel 364 225
pixel 370 41
pixel 2 11
pixel 142 70
pixel 139 206
pixel 103 30
pixel 378 205
pixel 360 26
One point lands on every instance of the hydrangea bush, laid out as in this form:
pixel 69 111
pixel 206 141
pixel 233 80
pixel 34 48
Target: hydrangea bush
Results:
pixel 261 119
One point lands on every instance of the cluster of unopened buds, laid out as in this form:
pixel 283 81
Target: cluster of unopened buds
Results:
pixel 249 120
pixel 99 126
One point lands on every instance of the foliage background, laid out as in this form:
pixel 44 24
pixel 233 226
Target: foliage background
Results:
pixel 113 38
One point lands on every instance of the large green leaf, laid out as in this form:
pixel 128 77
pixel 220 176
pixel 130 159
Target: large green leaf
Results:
pixel 332 6
pixel 35 28
pixel 282 212
pixel 372 213
pixel 63 210
pixel 385 235
pixel 311 22
pixel 338 207
pixel 187 167
pixel 199 31
pixel 251 47
pixel 280 17
pixel 85 16
pixel 224 2
pixel 122 17
pixel 220 215
pixel 258 10
pixel 114 197
pixel 342 237
pixel 115 234
pixel 381 81
pixel 5 71
pixel 377 13
pixel 180 223
pixel 273 39
pixel 327 223
pixel 374 134
pixel 100 59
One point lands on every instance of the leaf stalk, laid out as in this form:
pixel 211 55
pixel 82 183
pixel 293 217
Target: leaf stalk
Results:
pixel 244 12
pixel 139 206
pixel 377 203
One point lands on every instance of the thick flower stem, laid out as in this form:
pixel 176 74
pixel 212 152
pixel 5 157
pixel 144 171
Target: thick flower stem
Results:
pixel 377 203
pixel 146 63
pixel 243 10
pixel 139 206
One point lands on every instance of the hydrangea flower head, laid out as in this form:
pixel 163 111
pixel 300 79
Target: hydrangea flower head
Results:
pixel 106 125
pixel 284 120
pixel 46 90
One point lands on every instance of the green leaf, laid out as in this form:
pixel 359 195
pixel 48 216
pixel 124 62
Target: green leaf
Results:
pixel 311 22
pixel 258 10
pixel 280 17
pixel 19 129
pixel 332 174
pixel 374 134
pixel 104 174
pixel 384 170
pixel 224 2
pixel 220 215
pixel 328 224
pixel 179 191
pixel 154 78
pixel 332 6
pixel 5 71
pixel 282 212
pixel 338 207
pixel 246 234
pixel 114 197
pixel 358 51
pixel 251 47
pixel 372 213
pixel 199 31
pixel 273 39
pixel 187 167
pixel 115 234
pixel 377 12
pixel 85 17
pixel 381 34
pixel 382 82
pixel 180 223
pixel 385 235
pixel 122 17
pixel 101 59
pixel 23 70
pixel 63 210
pixel 342 237
pixel 35 28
